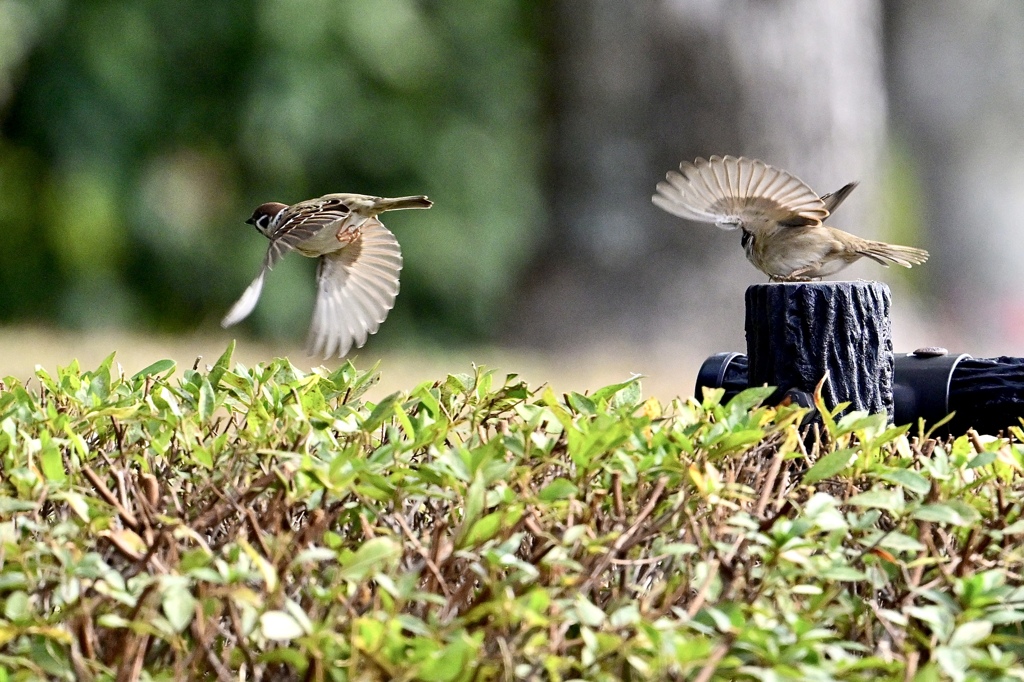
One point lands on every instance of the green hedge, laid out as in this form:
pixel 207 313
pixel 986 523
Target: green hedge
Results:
pixel 273 523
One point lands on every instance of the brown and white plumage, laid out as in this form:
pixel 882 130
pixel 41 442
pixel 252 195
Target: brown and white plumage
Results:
pixel 360 260
pixel 780 216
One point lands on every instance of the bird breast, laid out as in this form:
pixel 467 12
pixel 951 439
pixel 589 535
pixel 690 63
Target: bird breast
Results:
pixel 788 249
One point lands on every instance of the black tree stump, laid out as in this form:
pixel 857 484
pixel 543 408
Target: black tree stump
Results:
pixel 799 332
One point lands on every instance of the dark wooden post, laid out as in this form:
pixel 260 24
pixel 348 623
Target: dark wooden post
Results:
pixel 798 331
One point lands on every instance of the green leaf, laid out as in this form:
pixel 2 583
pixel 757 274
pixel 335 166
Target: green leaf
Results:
pixel 207 400
pixel 829 465
pixel 843 574
pixel 372 556
pixel 878 498
pixel 938 424
pixel 158 367
pixel 582 404
pixel 911 480
pixel 556 408
pixel 202 456
pixel 968 513
pixel 737 440
pixel 749 398
pixel 222 364
pixel 450 662
pixel 460 382
pixel 970 633
pixel 625 394
pixel 897 542
pixel 938 513
pixel 381 412
pixel 983 459
pixel 51 461
pixel 103 371
pixel 1015 528
pixel 476 497
pixel 178 604
pixel 559 489
pixel 16 607
pixel 588 613
pixel 484 529
pixel 280 626
pixel 427 397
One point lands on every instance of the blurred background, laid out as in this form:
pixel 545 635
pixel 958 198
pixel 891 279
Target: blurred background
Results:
pixel 136 136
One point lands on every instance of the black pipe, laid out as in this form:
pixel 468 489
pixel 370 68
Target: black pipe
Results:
pixel 987 394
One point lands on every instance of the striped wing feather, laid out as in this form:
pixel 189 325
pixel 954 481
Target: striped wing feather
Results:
pixel 356 288
pixel 734 192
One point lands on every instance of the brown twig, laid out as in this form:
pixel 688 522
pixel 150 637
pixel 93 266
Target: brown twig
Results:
pixel 717 654
pixel 622 540
pixel 768 485
pixel 702 592
pixel 620 507
pixel 126 516
pixel 422 551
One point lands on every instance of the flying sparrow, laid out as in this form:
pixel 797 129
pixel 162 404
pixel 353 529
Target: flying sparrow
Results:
pixel 779 215
pixel 357 277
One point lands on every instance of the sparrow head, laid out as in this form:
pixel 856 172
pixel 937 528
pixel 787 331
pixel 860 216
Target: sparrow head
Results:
pixel 264 215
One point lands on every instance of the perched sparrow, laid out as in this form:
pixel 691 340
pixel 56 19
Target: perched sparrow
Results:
pixel 357 278
pixel 780 216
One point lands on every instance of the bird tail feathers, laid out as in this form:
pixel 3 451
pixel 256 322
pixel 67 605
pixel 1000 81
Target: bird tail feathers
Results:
pixel 399 203
pixel 883 253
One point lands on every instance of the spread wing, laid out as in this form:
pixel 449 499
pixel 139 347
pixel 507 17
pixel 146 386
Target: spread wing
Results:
pixel 244 305
pixel 738 192
pixel 833 199
pixel 356 287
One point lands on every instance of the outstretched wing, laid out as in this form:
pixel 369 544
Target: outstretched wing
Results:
pixel 738 192
pixel 241 309
pixel 356 288
pixel 833 199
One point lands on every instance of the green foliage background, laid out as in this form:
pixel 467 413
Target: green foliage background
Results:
pixel 137 135
pixel 234 522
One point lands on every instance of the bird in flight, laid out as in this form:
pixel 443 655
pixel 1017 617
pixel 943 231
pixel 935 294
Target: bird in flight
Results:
pixel 359 263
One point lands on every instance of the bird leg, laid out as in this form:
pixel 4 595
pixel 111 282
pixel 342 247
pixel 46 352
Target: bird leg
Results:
pixel 798 275
pixel 347 234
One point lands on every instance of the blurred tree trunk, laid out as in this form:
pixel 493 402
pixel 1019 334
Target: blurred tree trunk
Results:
pixel 640 86
pixel 957 102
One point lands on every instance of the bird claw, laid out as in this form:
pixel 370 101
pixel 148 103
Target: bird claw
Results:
pixel 347 235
